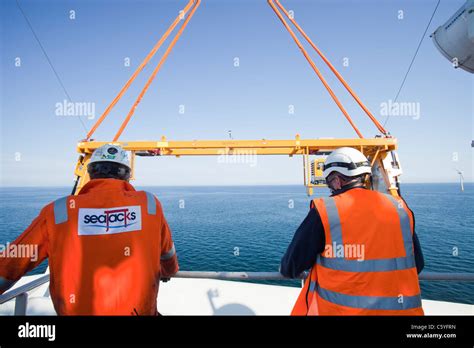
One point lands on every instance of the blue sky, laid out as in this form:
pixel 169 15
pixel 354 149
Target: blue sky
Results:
pixel 252 100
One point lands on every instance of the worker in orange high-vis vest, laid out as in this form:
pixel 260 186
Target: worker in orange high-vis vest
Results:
pixel 107 247
pixel 360 246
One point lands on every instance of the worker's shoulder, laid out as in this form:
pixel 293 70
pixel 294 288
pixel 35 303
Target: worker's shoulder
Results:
pixel 145 194
pixel 58 208
pixel 151 199
pixel 318 201
pixel 355 195
pixel 383 198
pixel 396 201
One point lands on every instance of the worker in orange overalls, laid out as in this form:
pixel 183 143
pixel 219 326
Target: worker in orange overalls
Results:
pixel 107 247
pixel 360 245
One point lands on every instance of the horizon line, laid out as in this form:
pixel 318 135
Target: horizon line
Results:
pixel 227 185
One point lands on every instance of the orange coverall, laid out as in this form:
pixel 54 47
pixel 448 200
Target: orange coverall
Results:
pixel 107 247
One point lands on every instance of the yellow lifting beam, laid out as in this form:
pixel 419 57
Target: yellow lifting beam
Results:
pixel 373 148
pixel 260 147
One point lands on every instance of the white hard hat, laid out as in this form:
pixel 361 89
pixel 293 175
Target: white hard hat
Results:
pixel 110 153
pixel 347 161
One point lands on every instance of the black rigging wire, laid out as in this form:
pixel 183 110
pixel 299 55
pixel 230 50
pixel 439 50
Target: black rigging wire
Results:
pixel 413 59
pixel 49 60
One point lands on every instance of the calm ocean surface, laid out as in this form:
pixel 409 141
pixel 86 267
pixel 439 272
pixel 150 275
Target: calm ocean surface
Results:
pixel 247 228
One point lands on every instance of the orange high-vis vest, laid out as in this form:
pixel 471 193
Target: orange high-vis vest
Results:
pixel 107 249
pixel 368 265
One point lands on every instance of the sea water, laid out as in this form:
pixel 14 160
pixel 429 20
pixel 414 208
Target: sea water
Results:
pixel 248 228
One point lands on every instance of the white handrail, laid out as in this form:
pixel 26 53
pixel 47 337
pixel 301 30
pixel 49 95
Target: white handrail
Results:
pixel 429 276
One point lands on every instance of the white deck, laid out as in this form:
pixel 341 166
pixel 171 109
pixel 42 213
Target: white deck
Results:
pixel 217 297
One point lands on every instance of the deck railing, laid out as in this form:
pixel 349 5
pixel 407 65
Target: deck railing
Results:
pixel 21 293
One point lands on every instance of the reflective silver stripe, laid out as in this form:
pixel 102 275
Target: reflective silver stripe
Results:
pixel 312 286
pixel 169 254
pixel 6 284
pixel 151 203
pixel 370 302
pixel 334 221
pixel 60 210
pixel 374 265
pixel 404 224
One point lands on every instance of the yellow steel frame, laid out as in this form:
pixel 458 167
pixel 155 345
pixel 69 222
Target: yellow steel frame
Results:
pixel 373 148
pixel 376 149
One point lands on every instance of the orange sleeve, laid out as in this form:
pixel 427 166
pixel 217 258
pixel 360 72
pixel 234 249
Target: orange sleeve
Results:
pixel 168 258
pixel 25 253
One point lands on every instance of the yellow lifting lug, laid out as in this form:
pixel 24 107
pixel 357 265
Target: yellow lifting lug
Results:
pixel 297 142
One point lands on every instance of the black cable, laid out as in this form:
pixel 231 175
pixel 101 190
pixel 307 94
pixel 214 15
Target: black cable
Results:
pixel 413 60
pixel 49 60
pixel 76 182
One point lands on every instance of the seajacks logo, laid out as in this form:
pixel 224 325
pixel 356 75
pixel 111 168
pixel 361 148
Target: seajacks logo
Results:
pixel 109 220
